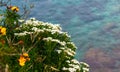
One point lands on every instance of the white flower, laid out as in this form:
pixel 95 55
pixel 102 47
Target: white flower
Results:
pixel 55 40
pixel 37 29
pixel 84 64
pixel 68 61
pixel 64 68
pixel 63 43
pixel 71 69
pixel 23 34
pixel 75 66
pixel 75 61
pixel 65 33
pixel 32 18
pixel 55 31
pixel 72 44
pixel 28 22
pixel 58 27
pixel 86 69
pixel 62 48
pixel 21 20
pixel 59 51
pixel 19 34
pixel 69 52
pixel 48 39
pixel 35 23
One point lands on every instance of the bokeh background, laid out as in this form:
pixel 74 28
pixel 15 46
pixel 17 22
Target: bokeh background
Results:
pixel 94 26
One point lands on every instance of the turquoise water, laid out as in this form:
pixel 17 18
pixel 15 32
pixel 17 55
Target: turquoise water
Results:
pixel 94 26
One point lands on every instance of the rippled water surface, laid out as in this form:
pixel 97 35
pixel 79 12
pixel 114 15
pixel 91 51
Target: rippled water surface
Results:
pixel 94 26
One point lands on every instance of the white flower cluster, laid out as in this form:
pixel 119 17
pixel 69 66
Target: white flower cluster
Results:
pixel 32 22
pixel 84 66
pixel 75 61
pixel 66 50
pixel 35 28
pixel 65 33
pixel 33 25
pixel 69 69
pixel 55 40
pixel 74 66
pixel 72 44
pixel 23 33
pixel 35 22
pixel 69 52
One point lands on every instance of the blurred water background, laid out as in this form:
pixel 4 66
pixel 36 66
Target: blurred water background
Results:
pixel 94 26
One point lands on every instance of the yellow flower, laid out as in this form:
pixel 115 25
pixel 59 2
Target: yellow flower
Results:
pixel 23 58
pixel 2 30
pixel 25 54
pixel 22 61
pixel 14 8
